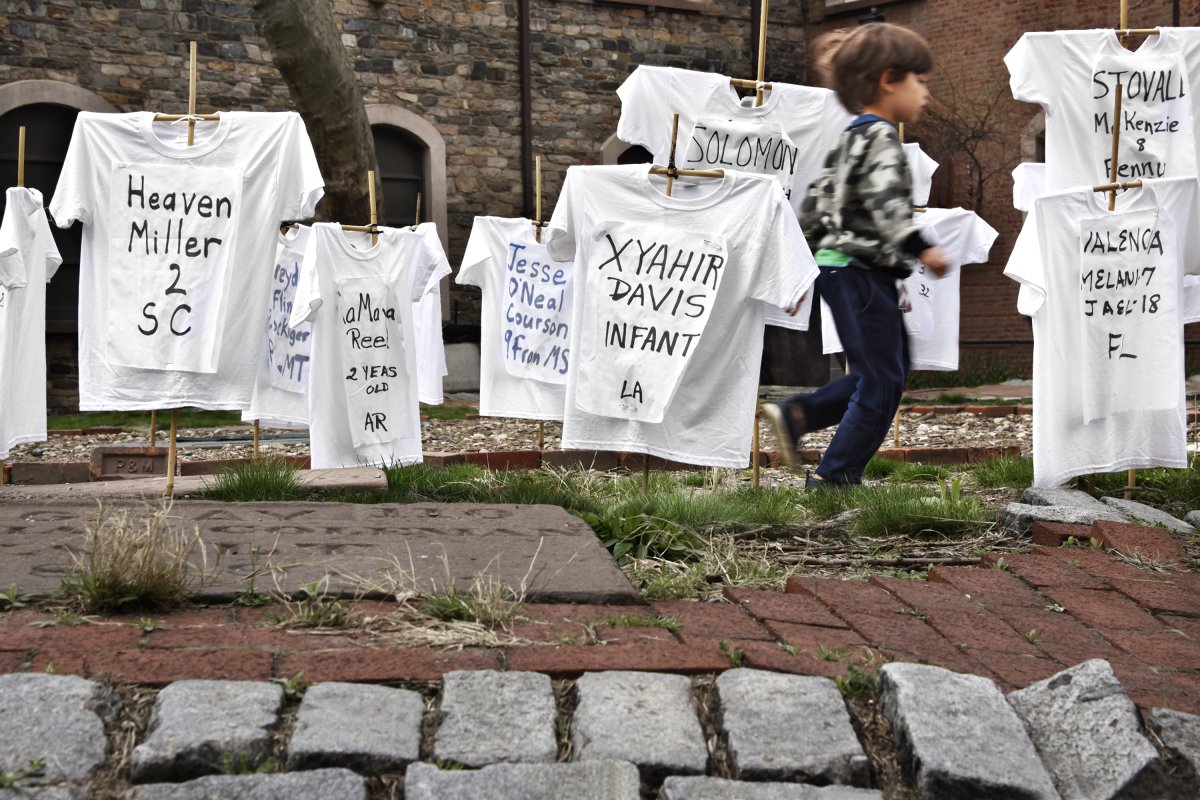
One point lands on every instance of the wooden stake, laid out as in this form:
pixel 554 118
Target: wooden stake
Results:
pixel 192 94
pixel 153 428
pixel 541 435
pixel 371 196
pixel 257 455
pixel 172 445
pixel 537 195
pixel 416 216
pixel 671 159
pixel 756 449
pixel 762 54
pixel 21 156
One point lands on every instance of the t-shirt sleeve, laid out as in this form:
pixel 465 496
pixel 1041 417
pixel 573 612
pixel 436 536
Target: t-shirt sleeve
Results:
pixel 1181 196
pixel 78 187
pixel 561 233
pixel 980 238
pixel 308 291
pixel 1025 265
pixel 433 265
pixel 642 98
pixel 12 262
pixel 1034 67
pixel 786 268
pixel 301 186
pixel 473 271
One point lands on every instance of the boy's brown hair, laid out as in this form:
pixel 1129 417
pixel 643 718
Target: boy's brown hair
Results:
pixel 851 60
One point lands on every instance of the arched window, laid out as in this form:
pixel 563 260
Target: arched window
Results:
pixel 47 109
pixel 47 134
pixel 411 154
pixel 401 159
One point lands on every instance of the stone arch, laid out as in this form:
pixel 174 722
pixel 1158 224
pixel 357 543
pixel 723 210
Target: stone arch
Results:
pixel 435 170
pixel 25 93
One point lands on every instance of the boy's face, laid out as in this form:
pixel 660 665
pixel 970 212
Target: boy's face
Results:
pixel 906 99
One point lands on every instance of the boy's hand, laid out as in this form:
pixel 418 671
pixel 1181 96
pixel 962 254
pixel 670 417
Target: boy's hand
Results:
pixel 935 260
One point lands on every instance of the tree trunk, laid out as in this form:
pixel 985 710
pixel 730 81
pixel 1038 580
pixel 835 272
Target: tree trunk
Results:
pixel 308 52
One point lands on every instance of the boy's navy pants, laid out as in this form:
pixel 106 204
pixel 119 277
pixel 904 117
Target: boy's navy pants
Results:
pixel 863 402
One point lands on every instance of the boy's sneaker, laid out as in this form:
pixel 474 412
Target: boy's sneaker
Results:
pixel 781 424
pixel 815 484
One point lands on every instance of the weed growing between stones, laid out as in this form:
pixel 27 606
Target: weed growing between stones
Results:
pixel 12 599
pixel 262 480
pixel 314 607
pixel 637 620
pixel 136 557
pixel 15 778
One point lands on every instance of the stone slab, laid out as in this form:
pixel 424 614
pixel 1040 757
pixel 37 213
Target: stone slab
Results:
pixel 1086 728
pixel 1021 516
pixel 645 718
pixel 697 788
pixel 1148 514
pixel 84 488
pixel 320 784
pixel 789 728
pixel 204 727
pixel 589 780
pixel 45 793
pixel 1180 736
pixel 958 737
pixel 1070 498
pixel 490 717
pixel 364 547
pixel 59 718
pixel 361 727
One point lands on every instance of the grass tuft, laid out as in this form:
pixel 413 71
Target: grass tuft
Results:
pixel 136 558
pixel 265 479
pixel 998 473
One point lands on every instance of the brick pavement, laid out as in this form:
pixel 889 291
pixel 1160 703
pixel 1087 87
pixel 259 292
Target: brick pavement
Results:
pixel 1016 619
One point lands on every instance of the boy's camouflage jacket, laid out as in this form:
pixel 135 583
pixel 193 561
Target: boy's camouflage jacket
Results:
pixel 861 205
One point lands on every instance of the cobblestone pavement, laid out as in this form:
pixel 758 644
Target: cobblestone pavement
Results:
pixel 1074 669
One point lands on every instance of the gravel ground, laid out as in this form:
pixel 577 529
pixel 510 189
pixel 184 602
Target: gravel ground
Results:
pixel 501 433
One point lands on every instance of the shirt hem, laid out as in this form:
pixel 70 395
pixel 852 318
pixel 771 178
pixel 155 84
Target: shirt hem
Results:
pixel 1116 466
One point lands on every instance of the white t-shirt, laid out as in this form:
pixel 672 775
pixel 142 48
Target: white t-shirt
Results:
pixel 427 323
pixel 932 324
pixel 284 361
pixel 921 168
pixel 28 260
pixel 178 242
pixel 431 351
pixel 1029 181
pixel 504 259
pixel 669 300
pixel 787 137
pixel 1103 290
pixel 363 406
pixel 1073 75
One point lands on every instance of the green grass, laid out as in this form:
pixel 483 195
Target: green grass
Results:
pixel 140 420
pixel 266 479
pixel 913 511
pixel 1175 491
pixel 447 412
pixel 996 473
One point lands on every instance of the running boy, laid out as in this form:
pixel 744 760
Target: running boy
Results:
pixel 858 219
